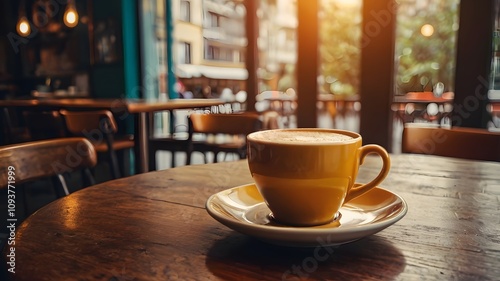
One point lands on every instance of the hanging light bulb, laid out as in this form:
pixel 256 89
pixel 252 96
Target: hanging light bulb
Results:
pixel 70 15
pixel 23 27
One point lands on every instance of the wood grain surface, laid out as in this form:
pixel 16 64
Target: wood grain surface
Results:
pixel 153 226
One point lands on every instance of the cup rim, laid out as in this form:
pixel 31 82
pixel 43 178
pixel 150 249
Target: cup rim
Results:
pixel 355 137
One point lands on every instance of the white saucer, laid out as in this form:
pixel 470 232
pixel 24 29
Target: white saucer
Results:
pixel 243 209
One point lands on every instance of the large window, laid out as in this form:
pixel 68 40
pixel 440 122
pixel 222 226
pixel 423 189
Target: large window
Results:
pixel 340 47
pixel 425 44
pixel 184 53
pixel 213 20
pixel 339 67
pixel 185 14
pixel 211 52
pixel 220 53
pixel 277 45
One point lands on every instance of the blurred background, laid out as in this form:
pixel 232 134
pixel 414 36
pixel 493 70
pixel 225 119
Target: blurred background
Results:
pixel 167 49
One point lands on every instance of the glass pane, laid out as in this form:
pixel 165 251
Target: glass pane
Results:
pixel 210 42
pixel 340 54
pixel 425 54
pixel 426 45
pixel 277 45
pixel 153 42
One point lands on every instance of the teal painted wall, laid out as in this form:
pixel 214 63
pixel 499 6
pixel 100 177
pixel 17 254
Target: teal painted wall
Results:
pixel 131 49
pixel 115 71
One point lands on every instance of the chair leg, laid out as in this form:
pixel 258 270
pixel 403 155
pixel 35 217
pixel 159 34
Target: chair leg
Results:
pixel 88 178
pixel 172 160
pixel 113 159
pixel 64 186
pixel 115 171
pixel 188 157
pixel 152 160
pixel 124 158
pixel 242 153
pixel 59 184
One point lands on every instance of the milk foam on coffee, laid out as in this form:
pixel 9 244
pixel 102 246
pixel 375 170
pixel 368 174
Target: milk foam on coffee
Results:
pixel 301 136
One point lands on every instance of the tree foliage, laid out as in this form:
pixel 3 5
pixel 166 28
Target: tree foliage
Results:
pixel 340 34
pixel 420 61
pixel 423 61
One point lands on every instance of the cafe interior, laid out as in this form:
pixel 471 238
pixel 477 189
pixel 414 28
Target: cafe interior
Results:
pixel 116 115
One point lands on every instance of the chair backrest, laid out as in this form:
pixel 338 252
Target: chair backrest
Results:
pixel 231 124
pixel 45 158
pixel 80 123
pixel 44 124
pixel 99 126
pixel 467 143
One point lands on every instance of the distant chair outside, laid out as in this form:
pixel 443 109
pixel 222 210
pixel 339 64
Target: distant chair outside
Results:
pixel 101 129
pixel 208 133
pixel 175 142
pixel 459 142
pixel 222 132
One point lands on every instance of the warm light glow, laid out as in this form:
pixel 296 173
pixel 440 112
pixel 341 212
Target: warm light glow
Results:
pixel 72 212
pixel 70 16
pixel 427 30
pixel 348 3
pixel 23 27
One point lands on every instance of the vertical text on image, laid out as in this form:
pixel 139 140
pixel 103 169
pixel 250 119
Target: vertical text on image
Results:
pixel 11 219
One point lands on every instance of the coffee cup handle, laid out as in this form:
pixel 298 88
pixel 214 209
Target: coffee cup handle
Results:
pixel 356 191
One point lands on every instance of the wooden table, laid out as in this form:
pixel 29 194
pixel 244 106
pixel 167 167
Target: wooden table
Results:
pixel 121 109
pixel 154 226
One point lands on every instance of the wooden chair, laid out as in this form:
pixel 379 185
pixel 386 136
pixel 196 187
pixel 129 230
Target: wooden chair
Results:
pixel 467 143
pixel 29 161
pixel 101 129
pixel 223 132
pixel 176 142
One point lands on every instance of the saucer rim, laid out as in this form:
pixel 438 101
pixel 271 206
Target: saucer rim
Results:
pixel 377 225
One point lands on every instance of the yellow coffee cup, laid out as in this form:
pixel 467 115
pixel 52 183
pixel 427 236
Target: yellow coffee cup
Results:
pixel 306 175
